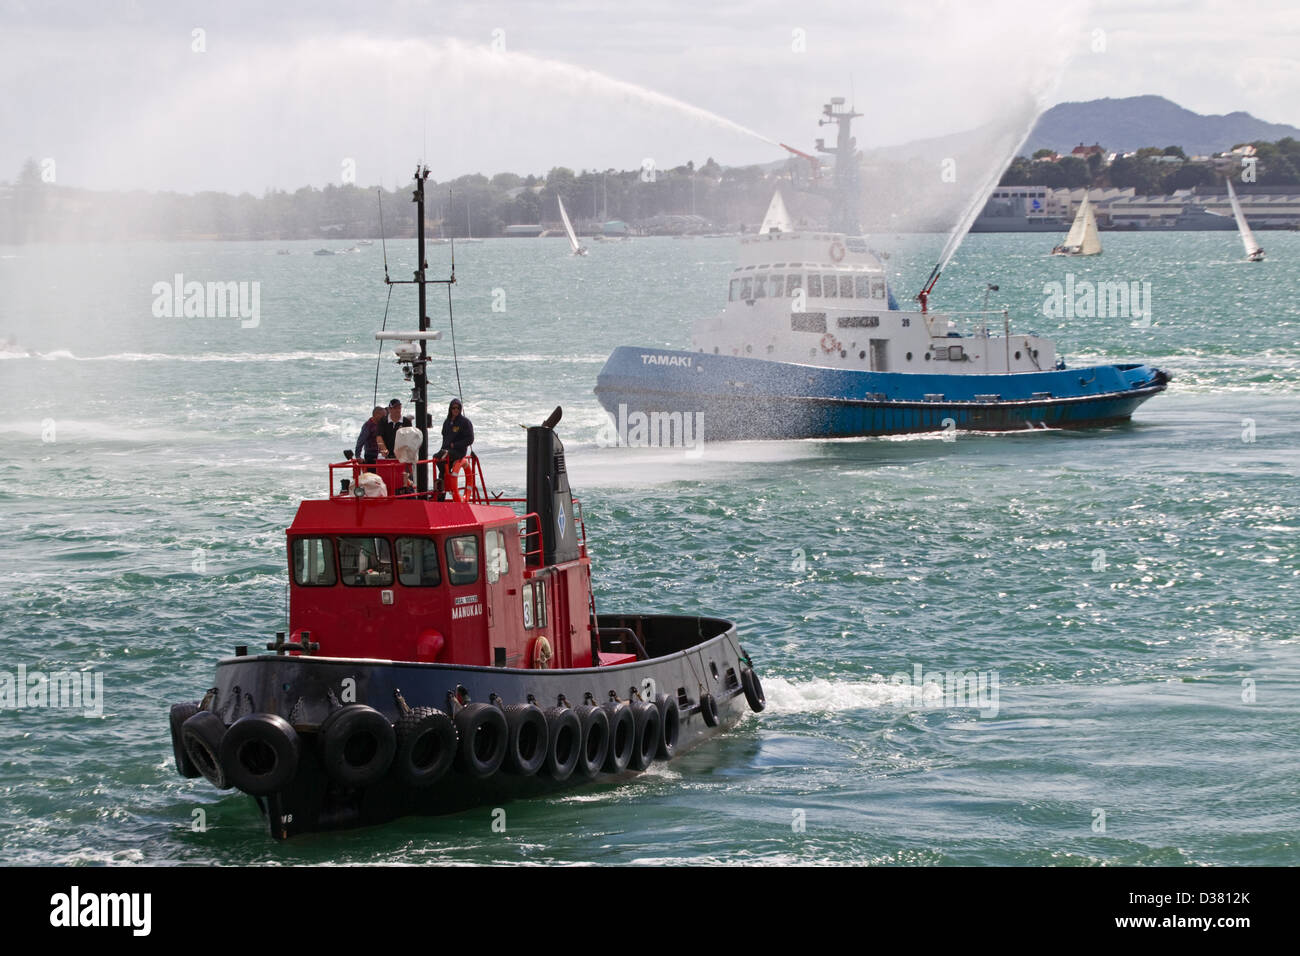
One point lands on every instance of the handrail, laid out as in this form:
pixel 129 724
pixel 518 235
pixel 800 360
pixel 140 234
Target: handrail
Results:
pixel 525 534
pixel 396 475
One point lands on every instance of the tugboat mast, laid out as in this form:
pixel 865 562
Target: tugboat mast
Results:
pixel 421 378
pixel 845 193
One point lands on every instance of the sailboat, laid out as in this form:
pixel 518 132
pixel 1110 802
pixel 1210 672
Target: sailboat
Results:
pixel 578 249
pixel 469 225
pixel 777 218
pixel 1082 240
pixel 1254 252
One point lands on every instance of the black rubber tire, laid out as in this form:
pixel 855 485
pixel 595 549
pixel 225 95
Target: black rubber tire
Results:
pixel 201 736
pixel 670 724
pixel 595 740
pixel 622 735
pixel 709 709
pixel 646 734
pixel 426 747
pixel 564 742
pixel 527 739
pixel 179 714
pixel 357 744
pixel 483 739
pixel 753 689
pixel 260 754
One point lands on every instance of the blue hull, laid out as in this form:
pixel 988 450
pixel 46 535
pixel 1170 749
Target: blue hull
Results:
pixel 728 398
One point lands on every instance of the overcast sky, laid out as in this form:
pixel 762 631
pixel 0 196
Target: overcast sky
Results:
pixel 251 95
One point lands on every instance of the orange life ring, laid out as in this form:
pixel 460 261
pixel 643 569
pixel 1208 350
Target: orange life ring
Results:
pixel 829 344
pixel 542 655
pixel 837 251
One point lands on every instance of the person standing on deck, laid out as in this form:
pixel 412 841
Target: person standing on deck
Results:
pixel 457 436
pixel 389 426
pixel 370 443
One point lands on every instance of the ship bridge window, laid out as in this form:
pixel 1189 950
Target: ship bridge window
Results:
pixel 792 284
pixel 313 562
pixel 828 286
pixel 747 288
pixel 863 284
pixel 760 287
pixel 366 562
pixel 462 559
pixel 734 290
pixel 846 287
pixel 417 562
pixel 878 290
pixel 815 285
pixel 778 286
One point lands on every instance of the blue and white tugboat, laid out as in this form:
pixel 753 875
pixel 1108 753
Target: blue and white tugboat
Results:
pixel 447 653
pixel 812 344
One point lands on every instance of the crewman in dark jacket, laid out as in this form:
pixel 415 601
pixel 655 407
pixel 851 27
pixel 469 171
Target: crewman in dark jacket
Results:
pixel 457 436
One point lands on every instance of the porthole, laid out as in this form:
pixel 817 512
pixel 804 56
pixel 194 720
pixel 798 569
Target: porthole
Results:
pixel 1017 356
pixel 749 349
pixel 843 354
pixel 862 355
pixel 715 350
pixel 927 356
pixel 909 356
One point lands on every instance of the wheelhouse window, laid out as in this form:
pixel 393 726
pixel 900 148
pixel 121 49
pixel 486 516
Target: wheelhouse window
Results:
pixel 777 283
pixel 417 562
pixel 366 562
pixel 815 285
pixel 877 290
pixel 528 607
pixel 760 287
pixel 863 286
pixel 747 288
pixel 792 284
pixel 828 286
pixel 541 604
pixel 846 287
pixel 498 562
pixel 462 559
pixel 313 562
pixel 733 290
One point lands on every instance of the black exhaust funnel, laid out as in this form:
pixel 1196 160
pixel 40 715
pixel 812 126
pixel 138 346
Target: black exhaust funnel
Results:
pixel 549 496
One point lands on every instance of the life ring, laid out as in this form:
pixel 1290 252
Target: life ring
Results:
pixel 829 343
pixel 526 742
pixel 595 739
pixel 753 689
pixel 426 747
pixel 837 251
pixel 483 738
pixel 564 742
pixel 260 754
pixel 622 736
pixel 357 744
pixel 645 734
pixel 709 709
pixel 201 737
pixel 542 654
pixel 670 719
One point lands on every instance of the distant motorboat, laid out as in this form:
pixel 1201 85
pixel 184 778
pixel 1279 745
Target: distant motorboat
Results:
pixel 1254 252
pixel 574 244
pixel 282 252
pixel 324 252
pixel 365 242
pixel 1082 239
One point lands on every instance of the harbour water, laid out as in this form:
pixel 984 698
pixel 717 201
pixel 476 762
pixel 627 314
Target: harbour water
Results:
pixel 1127 596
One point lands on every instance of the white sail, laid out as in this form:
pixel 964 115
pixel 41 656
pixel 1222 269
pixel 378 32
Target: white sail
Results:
pixel 568 227
pixel 1091 244
pixel 1253 250
pixel 1082 240
pixel 777 219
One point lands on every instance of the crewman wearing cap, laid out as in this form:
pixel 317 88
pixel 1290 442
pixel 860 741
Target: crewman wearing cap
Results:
pixel 389 426
pixel 457 436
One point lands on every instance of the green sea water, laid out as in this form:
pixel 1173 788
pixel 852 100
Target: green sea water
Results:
pixel 1132 590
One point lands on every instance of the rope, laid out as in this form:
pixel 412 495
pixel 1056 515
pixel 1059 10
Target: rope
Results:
pixel 380 357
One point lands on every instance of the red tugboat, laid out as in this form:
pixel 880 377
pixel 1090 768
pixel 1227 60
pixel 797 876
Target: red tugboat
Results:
pixel 445 654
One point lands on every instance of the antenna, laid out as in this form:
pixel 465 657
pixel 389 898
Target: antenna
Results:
pixel 383 240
